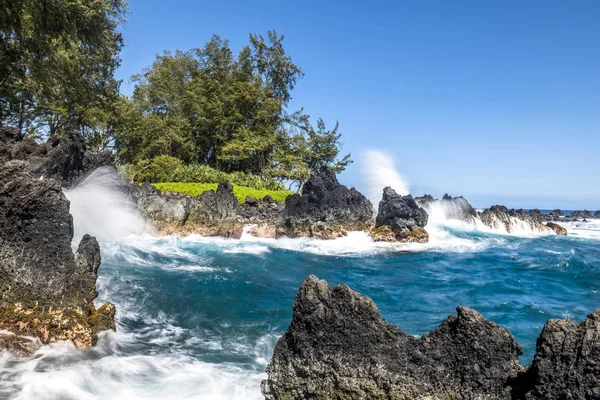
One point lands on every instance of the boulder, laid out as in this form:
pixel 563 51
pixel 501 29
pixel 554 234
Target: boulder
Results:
pixel 326 209
pixel 338 346
pixel 567 361
pixel 402 216
pixel 47 291
pixel 558 229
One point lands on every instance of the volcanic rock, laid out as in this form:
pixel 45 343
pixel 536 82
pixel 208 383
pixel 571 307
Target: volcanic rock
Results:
pixel 402 216
pixel 338 347
pixel 558 229
pixel 47 292
pixel 326 209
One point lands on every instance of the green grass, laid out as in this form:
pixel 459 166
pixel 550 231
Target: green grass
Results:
pixel 194 189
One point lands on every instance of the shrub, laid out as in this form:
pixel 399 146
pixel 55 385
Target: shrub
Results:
pixel 241 192
pixel 158 169
pixel 206 174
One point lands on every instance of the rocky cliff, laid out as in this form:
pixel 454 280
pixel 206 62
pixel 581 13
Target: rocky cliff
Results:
pixel 46 291
pixel 325 209
pixel 338 347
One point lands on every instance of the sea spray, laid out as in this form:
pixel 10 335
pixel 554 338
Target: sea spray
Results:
pixel 379 171
pixel 100 207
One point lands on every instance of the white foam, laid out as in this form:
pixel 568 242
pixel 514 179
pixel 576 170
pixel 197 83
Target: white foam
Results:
pixel 379 171
pixel 101 209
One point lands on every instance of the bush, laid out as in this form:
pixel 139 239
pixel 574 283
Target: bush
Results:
pixel 195 189
pixel 206 174
pixel 158 169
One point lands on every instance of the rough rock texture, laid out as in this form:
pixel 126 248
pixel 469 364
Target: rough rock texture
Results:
pixel 209 214
pixel 579 214
pixel 501 218
pixel 559 230
pixel 567 360
pixel 425 200
pixel 403 216
pixel 45 290
pixel 338 347
pixel 254 211
pixel 63 158
pixel 326 209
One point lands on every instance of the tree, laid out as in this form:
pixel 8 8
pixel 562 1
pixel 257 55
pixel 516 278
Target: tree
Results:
pixel 57 60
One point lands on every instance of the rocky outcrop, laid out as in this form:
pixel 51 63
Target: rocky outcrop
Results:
pixel 597 214
pixel 448 207
pixel 338 347
pixel 567 361
pixel 425 200
pixel 209 214
pixel 501 218
pixel 559 230
pixel 581 214
pixel 556 213
pixel 400 218
pixel 326 209
pixel 62 158
pixel 46 291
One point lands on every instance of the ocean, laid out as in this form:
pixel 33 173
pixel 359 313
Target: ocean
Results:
pixel 198 318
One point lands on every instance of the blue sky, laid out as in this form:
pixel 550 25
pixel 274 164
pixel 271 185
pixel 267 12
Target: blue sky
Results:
pixel 498 101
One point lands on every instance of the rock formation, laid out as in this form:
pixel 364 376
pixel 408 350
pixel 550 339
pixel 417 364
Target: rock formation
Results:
pixel 503 219
pixel 579 214
pixel 45 290
pixel 597 214
pixel 556 213
pixel 62 158
pixel 559 230
pixel 338 347
pixel 209 214
pixel 326 209
pixel 399 219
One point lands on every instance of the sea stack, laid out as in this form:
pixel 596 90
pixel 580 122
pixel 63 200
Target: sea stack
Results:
pixel 400 219
pixel 326 209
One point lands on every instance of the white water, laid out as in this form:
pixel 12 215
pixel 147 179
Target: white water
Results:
pixel 100 208
pixel 379 170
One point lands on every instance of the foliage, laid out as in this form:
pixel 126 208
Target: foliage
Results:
pixel 241 192
pixel 158 169
pixel 206 174
pixel 58 62
pixel 207 106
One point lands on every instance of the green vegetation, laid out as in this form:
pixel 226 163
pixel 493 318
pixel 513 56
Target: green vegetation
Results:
pixel 200 114
pixel 241 192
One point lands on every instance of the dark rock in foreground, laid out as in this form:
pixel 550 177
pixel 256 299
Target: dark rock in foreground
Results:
pixel 400 219
pixel 47 291
pixel 567 360
pixel 338 347
pixel 326 209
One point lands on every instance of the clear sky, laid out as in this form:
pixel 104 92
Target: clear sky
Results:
pixel 498 101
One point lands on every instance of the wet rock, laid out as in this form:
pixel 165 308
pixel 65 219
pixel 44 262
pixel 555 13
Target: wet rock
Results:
pixel 326 209
pixel 501 218
pixel 556 213
pixel 597 214
pixel 425 200
pixel 47 292
pixel 558 229
pixel 581 214
pixel 403 216
pixel 209 214
pixel 567 360
pixel 338 346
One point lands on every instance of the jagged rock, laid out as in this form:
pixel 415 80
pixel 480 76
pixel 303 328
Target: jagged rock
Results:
pixel 338 347
pixel 559 230
pixel 501 218
pixel 556 213
pixel 209 214
pixel 62 158
pixel 261 211
pixel 567 361
pixel 46 291
pixel 597 214
pixel 579 214
pixel 425 200
pixel 326 209
pixel 403 216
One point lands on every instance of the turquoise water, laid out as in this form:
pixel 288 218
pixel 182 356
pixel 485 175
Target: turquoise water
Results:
pixel 199 318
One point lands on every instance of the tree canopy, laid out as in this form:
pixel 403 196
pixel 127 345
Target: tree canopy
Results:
pixel 206 106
